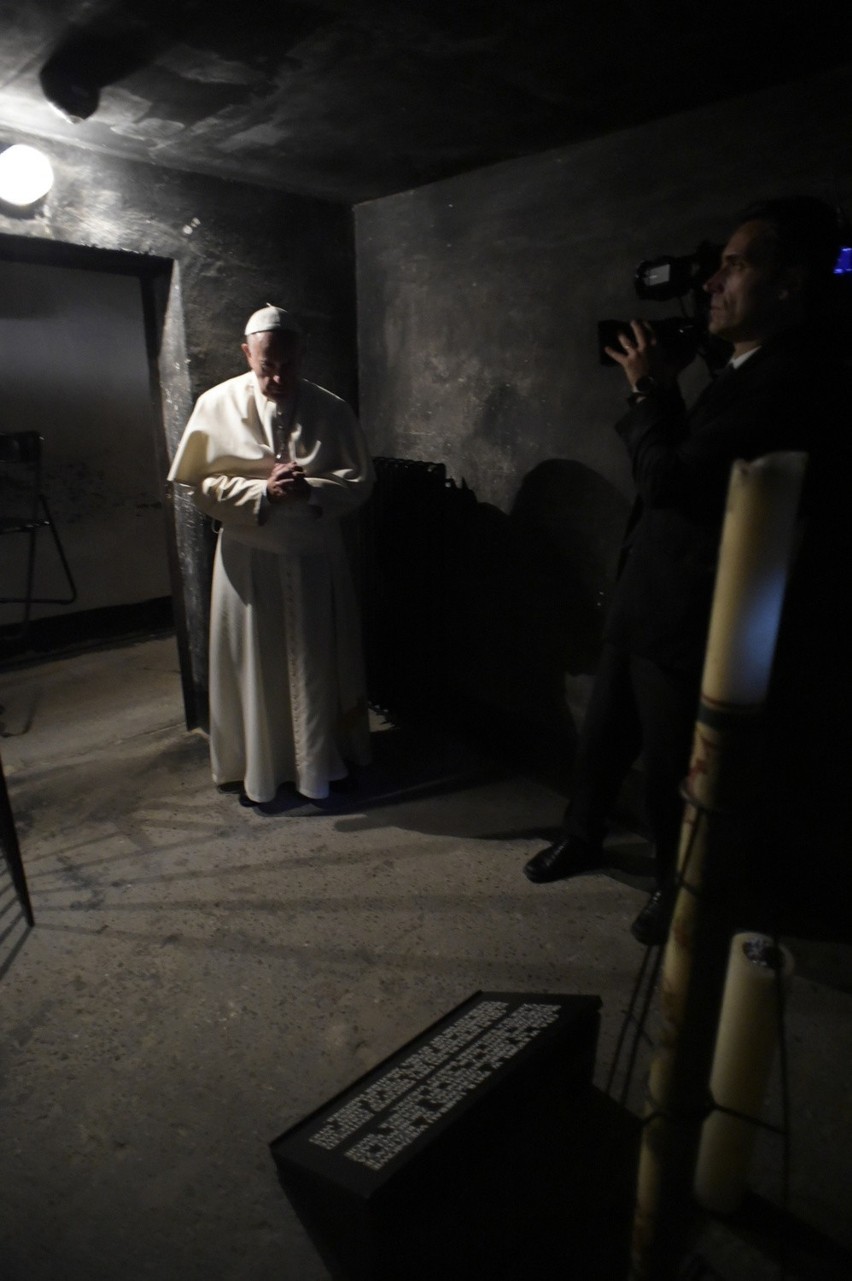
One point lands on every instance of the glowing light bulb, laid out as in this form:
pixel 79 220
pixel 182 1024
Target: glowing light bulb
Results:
pixel 25 175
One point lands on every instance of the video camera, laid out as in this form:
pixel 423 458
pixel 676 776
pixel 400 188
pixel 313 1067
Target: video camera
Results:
pixel 682 337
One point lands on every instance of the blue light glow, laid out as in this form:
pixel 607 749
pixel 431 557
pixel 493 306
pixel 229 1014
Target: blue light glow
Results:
pixel 843 266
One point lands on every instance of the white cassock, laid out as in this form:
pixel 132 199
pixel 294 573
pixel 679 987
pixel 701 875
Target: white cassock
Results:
pixel 287 701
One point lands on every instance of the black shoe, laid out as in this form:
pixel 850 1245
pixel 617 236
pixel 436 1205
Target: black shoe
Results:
pixel 566 858
pixel 651 927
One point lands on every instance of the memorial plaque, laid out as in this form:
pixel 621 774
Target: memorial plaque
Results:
pixel 433 1163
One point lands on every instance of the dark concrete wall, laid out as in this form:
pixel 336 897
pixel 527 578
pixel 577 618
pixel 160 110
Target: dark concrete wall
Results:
pixel 209 252
pixel 478 298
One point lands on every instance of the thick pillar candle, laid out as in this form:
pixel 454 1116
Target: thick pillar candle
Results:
pixel 758 977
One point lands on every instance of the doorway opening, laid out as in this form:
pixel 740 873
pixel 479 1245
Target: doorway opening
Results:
pixel 83 364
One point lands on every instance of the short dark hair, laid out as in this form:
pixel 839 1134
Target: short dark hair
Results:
pixel 806 233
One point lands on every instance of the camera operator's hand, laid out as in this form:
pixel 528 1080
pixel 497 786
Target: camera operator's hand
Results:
pixel 641 357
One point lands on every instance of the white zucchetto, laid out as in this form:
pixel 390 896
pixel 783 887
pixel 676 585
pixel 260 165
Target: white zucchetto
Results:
pixel 270 317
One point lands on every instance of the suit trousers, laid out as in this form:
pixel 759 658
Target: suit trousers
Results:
pixel 636 708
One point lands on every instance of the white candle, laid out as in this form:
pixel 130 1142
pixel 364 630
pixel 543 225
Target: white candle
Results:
pixel 745 1047
pixel 756 546
pixel 757 537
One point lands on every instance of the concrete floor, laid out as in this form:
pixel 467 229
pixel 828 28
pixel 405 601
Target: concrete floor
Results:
pixel 200 977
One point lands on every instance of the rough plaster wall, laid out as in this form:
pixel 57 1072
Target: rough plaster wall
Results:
pixel 233 248
pixel 478 298
pixel 234 245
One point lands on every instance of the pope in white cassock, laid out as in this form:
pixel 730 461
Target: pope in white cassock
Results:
pixel 277 462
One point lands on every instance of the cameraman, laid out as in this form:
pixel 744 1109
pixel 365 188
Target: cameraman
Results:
pixel 767 300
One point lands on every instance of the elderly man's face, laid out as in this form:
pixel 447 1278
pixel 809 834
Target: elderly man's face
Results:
pixel 276 358
pixel 749 294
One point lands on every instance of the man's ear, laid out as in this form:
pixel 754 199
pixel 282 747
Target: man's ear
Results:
pixel 245 350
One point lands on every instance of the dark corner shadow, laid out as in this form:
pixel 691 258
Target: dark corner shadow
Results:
pixel 800 1247
pixel 476 618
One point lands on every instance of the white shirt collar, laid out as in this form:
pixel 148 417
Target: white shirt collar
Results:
pixel 736 361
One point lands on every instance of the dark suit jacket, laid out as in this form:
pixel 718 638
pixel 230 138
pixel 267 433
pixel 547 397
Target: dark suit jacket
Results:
pixel 681 467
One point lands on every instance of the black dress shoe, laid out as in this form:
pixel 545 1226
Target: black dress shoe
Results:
pixel 651 927
pixel 566 858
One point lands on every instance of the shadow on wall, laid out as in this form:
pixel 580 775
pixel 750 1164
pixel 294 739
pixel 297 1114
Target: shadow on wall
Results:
pixel 485 619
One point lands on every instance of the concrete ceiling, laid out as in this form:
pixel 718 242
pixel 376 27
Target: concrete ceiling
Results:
pixel 356 99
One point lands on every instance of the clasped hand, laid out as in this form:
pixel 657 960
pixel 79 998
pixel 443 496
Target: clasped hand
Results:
pixel 640 356
pixel 286 482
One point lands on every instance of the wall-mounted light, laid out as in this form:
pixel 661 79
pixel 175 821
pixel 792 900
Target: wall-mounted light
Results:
pixel 26 175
